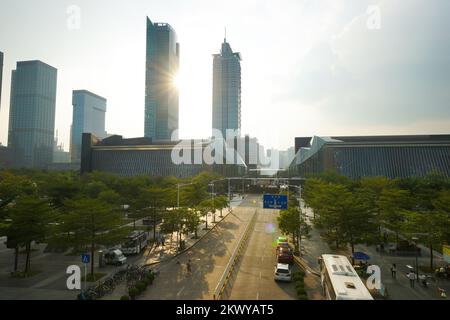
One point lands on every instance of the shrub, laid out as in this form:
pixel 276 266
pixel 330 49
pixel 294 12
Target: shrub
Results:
pixel 300 272
pixel 302 297
pixel 299 284
pixel 125 297
pixel 133 292
pixel 141 285
pixel 301 291
pixel 299 280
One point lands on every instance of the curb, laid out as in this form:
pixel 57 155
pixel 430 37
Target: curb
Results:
pixel 302 264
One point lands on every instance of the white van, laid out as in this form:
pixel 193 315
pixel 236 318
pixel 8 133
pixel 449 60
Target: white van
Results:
pixel 115 257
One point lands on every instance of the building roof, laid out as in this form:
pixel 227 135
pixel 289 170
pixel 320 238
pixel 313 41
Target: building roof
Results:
pixel 84 91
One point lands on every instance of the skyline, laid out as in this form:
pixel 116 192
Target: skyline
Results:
pixel 334 77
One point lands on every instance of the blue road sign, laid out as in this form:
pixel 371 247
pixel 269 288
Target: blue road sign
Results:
pixel 85 258
pixel 275 201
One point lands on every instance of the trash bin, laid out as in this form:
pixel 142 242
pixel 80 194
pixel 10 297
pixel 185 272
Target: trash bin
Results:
pixel 101 261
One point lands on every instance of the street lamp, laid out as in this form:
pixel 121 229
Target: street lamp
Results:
pixel 415 239
pixel 213 204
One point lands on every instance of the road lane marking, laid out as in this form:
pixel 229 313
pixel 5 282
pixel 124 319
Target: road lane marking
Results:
pixel 179 292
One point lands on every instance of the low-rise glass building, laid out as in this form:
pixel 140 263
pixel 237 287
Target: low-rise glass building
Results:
pixel 142 156
pixel 363 156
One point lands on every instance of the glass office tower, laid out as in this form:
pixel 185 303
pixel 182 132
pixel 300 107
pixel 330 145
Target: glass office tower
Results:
pixel 32 114
pixel 226 104
pixel 1 76
pixel 161 94
pixel 88 116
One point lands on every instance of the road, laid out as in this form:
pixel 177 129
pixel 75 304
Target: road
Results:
pixel 254 280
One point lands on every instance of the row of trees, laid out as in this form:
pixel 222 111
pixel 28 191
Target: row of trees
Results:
pixel 84 212
pixel 361 211
pixel 293 222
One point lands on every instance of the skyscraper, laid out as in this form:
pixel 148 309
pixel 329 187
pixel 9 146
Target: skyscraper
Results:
pixel 226 104
pixel 32 114
pixel 161 94
pixel 88 117
pixel 1 76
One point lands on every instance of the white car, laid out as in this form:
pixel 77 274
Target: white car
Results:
pixel 283 272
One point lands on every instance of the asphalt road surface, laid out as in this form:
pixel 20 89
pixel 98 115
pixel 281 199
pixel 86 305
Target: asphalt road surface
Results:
pixel 255 277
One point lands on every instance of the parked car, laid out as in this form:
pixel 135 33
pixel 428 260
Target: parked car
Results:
pixel 282 272
pixel 284 255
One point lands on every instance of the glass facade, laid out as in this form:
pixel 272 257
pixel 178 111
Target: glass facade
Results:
pixel 1 76
pixel 32 114
pixel 392 157
pixel 226 104
pixel 161 93
pixel 88 116
pixel 138 156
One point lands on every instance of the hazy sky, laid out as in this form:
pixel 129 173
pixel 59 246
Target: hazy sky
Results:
pixel 310 67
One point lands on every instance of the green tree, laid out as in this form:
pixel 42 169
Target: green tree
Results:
pixel 291 222
pixel 90 223
pixel 394 203
pixel 221 202
pixel 193 220
pixel 31 219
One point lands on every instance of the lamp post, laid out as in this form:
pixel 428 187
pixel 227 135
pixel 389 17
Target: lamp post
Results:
pixel 213 204
pixel 415 239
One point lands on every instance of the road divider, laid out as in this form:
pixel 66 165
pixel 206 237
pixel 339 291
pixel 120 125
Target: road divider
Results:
pixel 303 265
pixel 231 266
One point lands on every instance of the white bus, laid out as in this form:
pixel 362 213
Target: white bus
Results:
pixel 135 242
pixel 339 279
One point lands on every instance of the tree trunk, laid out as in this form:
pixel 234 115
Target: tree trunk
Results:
pixel 16 258
pixel 353 250
pixel 431 256
pixel 206 221
pixel 27 260
pixel 92 259
pixel 154 227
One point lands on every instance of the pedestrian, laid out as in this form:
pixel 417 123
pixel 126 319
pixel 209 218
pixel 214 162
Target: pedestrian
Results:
pixel 162 240
pixel 394 271
pixel 188 266
pixel 412 278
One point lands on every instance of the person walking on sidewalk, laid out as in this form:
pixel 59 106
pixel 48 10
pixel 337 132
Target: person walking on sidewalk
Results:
pixel 394 271
pixel 162 240
pixel 412 278
pixel 188 266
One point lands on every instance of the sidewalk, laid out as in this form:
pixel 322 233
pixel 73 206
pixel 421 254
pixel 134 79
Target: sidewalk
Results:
pixel 398 289
pixel 156 255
